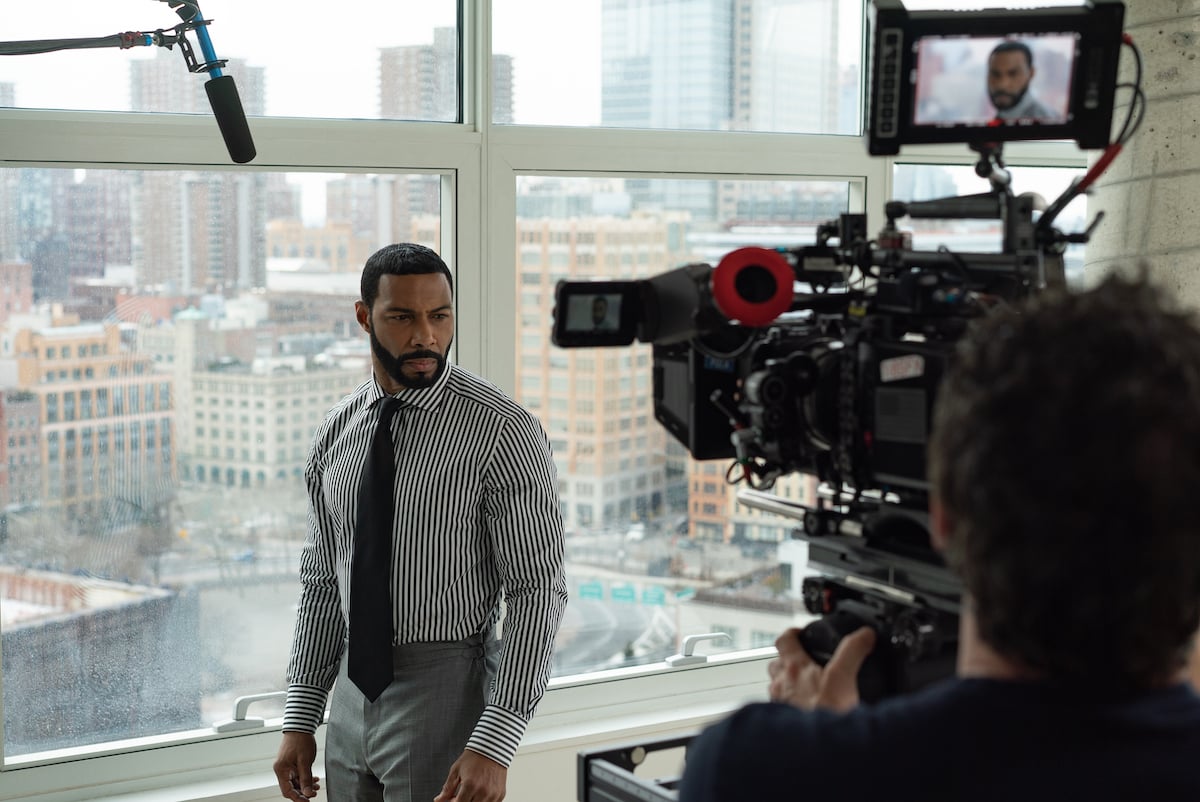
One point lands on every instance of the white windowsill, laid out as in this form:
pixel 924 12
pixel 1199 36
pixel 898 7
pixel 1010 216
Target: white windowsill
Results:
pixel 623 705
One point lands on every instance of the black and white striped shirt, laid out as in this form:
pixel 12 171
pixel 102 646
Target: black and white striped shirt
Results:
pixel 476 518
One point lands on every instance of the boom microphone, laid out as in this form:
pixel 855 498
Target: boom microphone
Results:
pixel 221 89
pixel 231 118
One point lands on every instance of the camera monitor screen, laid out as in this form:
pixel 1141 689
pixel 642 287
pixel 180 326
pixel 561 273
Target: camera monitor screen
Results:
pixel 595 313
pixel 600 311
pixel 985 81
pixel 993 76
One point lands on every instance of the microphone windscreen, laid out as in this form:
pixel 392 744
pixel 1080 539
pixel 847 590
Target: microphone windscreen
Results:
pixel 231 118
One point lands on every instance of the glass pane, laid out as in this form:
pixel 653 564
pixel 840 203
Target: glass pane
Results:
pixel 658 547
pixel 383 59
pixel 168 343
pixel 714 65
pixel 914 182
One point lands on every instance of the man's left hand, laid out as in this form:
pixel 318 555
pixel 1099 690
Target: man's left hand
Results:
pixel 474 778
pixel 798 680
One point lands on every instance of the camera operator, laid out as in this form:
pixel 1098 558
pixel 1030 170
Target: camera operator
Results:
pixel 1065 463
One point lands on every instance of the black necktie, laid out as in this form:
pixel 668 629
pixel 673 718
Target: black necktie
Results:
pixel 370 666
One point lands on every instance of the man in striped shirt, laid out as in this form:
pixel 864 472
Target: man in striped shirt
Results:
pixel 475 521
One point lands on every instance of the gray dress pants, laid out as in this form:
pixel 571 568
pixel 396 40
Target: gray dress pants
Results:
pixel 400 747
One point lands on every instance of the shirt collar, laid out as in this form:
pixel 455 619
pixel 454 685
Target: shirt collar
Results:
pixel 427 398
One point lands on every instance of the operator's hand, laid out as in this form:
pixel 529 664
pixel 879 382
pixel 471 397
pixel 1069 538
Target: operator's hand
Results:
pixel 474 778
pixel 798 680
pixel 293 766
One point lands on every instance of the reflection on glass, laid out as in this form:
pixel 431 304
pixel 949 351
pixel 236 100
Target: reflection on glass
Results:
pixel 168 343
pixel 658 547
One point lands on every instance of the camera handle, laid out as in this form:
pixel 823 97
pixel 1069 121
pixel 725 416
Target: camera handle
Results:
pixel 876 678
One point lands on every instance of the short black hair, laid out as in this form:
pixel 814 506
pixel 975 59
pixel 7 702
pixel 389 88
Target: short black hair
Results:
pixel 400 259
pixel 1013 46
pixel 1066 451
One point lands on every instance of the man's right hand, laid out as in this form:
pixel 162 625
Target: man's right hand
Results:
pixel 798 680
pixel 293 766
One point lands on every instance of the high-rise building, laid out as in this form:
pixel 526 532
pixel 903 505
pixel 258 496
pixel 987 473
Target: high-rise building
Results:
pixel 163 83
pixel 382 208
pixel 782 83
pixel 106 422
pixel 253 423
pixel 194 231
pixel 716 65
pixel 199 231
pixel 16 290
pixel 596 404
pixel 284 199
pixel 420 82
pixel 20 457
pixel 668 64
pixel 332 247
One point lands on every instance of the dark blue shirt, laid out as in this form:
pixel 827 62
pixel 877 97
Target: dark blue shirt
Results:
pixel 962 739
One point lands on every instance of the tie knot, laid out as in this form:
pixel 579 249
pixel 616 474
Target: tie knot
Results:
pixel 388 407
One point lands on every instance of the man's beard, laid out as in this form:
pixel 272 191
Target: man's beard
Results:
pixel 1012 99
pixel 394 365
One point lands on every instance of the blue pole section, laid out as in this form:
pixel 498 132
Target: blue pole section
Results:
pixel 206 45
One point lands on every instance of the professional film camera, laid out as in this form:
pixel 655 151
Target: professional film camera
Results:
pixel 825 358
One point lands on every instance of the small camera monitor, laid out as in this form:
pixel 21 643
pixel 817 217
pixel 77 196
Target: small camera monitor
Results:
pixel 595 313
pixel 993 76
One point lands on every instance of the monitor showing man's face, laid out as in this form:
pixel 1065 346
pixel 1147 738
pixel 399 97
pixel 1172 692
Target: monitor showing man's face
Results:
pixel 986 80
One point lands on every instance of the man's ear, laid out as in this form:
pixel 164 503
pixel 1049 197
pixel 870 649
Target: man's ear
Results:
pixel 941 525
pixel 362 315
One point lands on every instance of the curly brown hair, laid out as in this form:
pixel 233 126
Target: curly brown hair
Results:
pixel 1066 450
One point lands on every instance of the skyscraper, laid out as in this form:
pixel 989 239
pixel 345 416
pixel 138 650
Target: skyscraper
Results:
pixel 716 65
pixel 196 231
pixel 668 64
pixel 596 404
pixel 786 72
pixel 420 82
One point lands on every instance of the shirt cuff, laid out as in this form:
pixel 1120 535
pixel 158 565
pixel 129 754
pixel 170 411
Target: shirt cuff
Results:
pixel 498 734
pixel 304 709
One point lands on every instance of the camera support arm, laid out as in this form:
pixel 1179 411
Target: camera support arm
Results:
pixel 991 164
